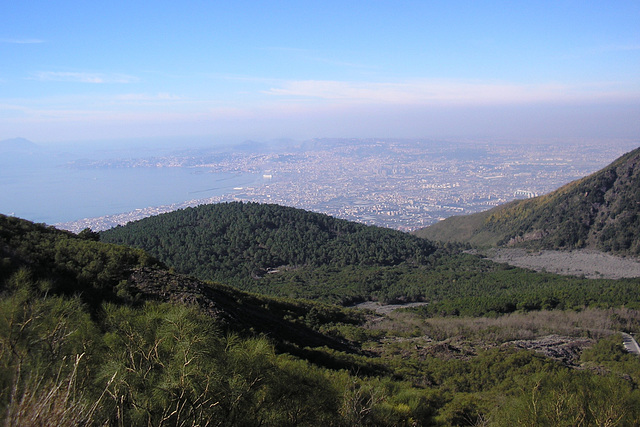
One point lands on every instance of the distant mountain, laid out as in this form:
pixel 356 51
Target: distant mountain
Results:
pixel 600 211
pixel 18 145
pixel 251 146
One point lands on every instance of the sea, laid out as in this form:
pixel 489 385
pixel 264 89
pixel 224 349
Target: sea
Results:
pixel 52 193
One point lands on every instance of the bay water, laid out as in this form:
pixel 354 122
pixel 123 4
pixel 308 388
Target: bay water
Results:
pixel 51 194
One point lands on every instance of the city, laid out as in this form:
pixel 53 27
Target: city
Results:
pixel 400 184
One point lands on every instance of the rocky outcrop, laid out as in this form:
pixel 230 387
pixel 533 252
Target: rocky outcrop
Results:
pixel 234 309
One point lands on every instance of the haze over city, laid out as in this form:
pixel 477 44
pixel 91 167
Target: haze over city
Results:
pixel 79 72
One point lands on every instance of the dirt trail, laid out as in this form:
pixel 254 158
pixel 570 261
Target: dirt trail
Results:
pixel 588 263
pixel 386 308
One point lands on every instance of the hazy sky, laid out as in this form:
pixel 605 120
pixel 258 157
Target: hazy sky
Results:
pixel 82 70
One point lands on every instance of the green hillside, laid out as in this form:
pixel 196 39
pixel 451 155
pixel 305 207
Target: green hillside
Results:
pixel 60 263
pixel 95 333
pixel 601 211
pixel 249 243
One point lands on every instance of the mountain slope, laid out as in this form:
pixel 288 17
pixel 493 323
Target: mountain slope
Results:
pixel 17 145
pixel 600 211
pixel 100 334
pixel 64 263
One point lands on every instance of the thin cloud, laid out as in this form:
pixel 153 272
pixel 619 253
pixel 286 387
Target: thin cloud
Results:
pixel 92 106
pixel 444 91
pixel 21 41
pixel 147 97
pixel 95 78
pixel 621 48
pixel 315 56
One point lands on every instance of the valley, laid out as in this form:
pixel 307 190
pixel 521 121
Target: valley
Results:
pixel 334 214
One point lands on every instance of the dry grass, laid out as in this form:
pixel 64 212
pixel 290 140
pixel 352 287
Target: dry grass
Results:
pixel 38 402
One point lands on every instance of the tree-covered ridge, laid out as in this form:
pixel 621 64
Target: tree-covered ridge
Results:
pixel 237 240
pixel 601 211
pixel 454 285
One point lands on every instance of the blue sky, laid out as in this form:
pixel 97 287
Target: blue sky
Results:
pixel 79 71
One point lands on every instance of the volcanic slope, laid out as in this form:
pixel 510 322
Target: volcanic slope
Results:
pixel 600 211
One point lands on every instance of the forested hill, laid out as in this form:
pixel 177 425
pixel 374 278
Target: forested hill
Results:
pixel 601 211
pixel 242 240
pixel 60 262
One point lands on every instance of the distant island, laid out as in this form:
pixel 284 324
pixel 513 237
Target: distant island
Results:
pixel 17 145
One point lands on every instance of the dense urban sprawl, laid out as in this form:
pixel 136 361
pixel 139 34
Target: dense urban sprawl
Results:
pixel 401 184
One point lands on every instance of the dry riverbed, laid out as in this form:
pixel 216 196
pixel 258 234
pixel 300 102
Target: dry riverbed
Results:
pixel 588 263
